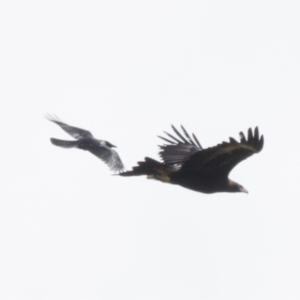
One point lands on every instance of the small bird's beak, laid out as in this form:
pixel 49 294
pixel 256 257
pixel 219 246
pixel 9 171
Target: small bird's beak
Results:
pixel 243 190
pixel 110 145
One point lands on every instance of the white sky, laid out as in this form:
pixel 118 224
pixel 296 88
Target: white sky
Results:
pixel 126 71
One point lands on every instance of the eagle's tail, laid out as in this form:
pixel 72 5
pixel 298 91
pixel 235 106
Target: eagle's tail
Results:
pixel 64 144
pixel 152 168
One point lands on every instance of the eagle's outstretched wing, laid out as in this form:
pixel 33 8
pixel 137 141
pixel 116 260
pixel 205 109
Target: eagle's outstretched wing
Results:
pixel 180 148
pixel 222 158
pixel 75 132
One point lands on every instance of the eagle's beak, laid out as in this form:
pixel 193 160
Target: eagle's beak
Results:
pixel 243 190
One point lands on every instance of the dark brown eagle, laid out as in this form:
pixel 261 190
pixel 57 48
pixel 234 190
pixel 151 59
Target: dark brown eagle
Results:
pixel 86 141
pixel 187 164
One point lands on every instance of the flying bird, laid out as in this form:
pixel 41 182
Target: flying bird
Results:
pixel 187 164
pixel 86 141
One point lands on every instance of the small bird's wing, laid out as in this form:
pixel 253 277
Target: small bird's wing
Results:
pixel 222 158
pixel 180 148
pixel 75 132
pixel 64 144
pixel 109 156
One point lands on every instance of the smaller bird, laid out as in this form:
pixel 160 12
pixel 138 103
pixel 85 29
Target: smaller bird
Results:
pixel 86 141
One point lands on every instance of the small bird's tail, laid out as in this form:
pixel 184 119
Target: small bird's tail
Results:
pixel 64 144
pixel 152 168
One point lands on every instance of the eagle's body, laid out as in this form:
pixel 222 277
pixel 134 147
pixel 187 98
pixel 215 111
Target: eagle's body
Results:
pixel 205 183
pixel 187 164
pixel 84 140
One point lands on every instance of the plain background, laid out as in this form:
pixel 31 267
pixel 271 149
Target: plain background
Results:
pixel 126 71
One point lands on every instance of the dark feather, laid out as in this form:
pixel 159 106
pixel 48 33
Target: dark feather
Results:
pixel 166 140
pixel 224 157
pixel 179 134
pixel 174 138
pixel 197 142
pixel 64 144
pixel 75 132
pixel 178 153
